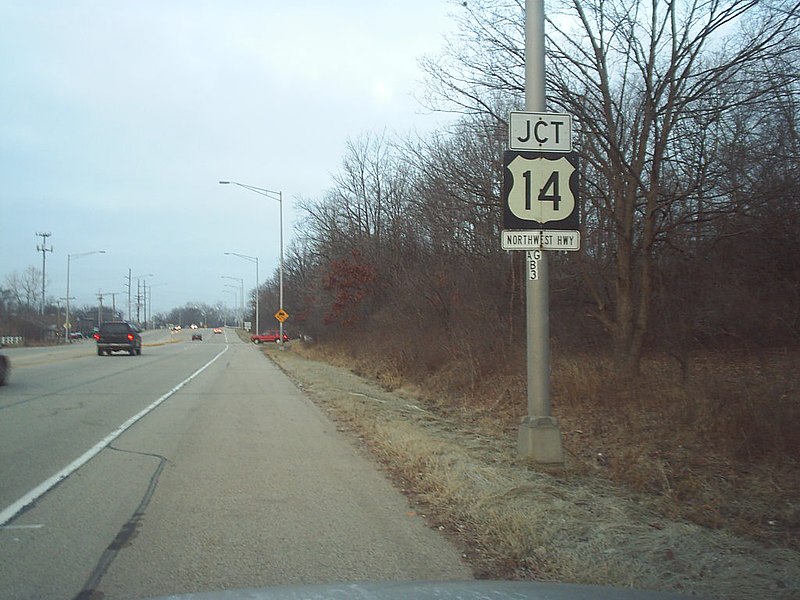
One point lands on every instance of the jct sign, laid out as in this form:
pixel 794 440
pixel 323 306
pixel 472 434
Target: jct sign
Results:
pixel 540 132
pixel 540 189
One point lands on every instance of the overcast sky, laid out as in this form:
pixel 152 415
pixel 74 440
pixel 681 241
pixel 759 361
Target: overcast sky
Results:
pixel 119 118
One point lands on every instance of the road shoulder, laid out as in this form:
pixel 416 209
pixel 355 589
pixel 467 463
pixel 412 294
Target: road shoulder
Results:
pixel 519 522
pixel 260 489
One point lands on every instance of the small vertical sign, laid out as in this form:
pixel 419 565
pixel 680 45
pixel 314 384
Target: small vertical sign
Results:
pixel 533 264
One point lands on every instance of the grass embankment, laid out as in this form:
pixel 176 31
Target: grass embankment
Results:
pixel 690 487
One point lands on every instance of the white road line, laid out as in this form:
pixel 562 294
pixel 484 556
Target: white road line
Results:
pixel 11 511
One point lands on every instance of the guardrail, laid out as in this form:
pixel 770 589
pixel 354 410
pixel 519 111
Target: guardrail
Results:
pixel 11 340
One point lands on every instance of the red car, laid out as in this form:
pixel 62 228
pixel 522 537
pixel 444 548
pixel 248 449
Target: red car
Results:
pixel 268 336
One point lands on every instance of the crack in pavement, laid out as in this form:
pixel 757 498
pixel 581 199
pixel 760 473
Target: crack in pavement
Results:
pixel 127 532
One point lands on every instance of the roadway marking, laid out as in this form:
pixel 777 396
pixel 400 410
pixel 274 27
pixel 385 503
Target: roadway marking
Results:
pixel 13 509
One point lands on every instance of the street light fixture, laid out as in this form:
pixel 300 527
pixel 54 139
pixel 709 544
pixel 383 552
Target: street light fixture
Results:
pixel 241 285
pixel 279 197
pixel 255 260
pixel 67 324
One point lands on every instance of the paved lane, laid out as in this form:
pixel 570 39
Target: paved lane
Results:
pixel 237 480
pixel 61 401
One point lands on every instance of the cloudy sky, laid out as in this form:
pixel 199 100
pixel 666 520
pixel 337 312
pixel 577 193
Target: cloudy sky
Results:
pixel 118 120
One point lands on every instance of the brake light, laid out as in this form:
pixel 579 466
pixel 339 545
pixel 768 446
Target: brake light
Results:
pixel 130 337
pixel 96 336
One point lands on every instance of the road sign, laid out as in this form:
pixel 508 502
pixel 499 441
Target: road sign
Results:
pixel 540 189
pixel 533 264
pixel 541 239
pixel 541 132
pixel 281 315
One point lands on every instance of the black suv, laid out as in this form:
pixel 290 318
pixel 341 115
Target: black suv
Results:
pixel 118 335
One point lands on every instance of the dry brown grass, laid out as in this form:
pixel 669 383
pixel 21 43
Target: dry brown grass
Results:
pixel 513 521
pixel 721 449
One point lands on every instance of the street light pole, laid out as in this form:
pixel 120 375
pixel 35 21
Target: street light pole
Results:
pixel 67 324
pixel 255 260
pixel 279 197
pixel 241 284
pixel 235 291
pixel 234 302
pixel 539 436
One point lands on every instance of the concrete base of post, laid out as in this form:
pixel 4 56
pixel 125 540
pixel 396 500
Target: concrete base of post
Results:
pixel 540 440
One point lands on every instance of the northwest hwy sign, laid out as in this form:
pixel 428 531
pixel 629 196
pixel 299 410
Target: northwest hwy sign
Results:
pixel 541 239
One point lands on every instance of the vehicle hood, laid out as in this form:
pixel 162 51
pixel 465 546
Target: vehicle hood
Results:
pixel 440 590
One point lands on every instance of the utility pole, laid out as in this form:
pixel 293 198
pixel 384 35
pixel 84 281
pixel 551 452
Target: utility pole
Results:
pixel 113 304
pixel 100 308
pixel 128 315
pixel 144 301
pixel 44 250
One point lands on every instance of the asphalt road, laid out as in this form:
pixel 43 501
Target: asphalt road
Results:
pixel 232 479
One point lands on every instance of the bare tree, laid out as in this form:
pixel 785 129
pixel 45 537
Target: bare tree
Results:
pixel 483 65
pixel 25 287
pixel 458 177
pixel 650 83
pixel 641 77
pixel 360 224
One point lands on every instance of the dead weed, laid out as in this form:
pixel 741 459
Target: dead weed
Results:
pixel 618 514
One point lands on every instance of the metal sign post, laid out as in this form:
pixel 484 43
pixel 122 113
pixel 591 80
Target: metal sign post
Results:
pixel 539 436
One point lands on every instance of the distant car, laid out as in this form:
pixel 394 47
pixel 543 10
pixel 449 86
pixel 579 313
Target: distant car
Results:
pixel 5 368
pixel 114 336
pixel 76 335
pixel 193 326
pixel 197 336
pixel 217 330
pixel 268 336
